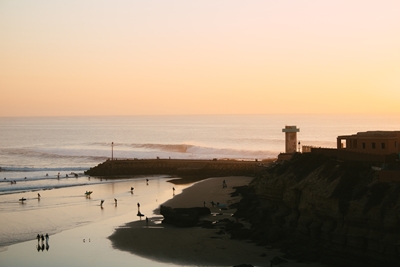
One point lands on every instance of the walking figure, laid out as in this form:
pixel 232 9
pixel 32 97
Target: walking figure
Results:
pixel 115 200
pixel 38 238
pixel 101 203
pixel 138 207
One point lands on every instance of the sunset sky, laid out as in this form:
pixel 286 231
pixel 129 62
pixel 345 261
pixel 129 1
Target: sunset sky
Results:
pixel 85 58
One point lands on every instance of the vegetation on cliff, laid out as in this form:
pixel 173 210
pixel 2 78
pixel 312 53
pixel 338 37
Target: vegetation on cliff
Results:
pixel 320 209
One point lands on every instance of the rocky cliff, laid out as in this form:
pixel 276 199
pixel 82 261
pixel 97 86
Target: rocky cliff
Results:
pixel 320 209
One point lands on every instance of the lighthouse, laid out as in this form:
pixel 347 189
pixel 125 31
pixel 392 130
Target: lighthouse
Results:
pixel 290 138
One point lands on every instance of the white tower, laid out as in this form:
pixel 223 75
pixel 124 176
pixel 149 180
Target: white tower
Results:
pixel 290 138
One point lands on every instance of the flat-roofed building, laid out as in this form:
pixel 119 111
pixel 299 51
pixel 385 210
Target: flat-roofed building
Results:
pixel 372 142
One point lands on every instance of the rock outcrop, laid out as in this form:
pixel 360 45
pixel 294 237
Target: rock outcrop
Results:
pixel 183 217
pixel 320 209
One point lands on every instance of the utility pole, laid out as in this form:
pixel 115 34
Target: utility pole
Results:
pixel 112 150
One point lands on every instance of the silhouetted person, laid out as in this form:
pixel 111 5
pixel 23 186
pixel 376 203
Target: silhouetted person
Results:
pixel 47 237
pixel 38 237
pixel 204 203
pixel 147 221
pixel 47 246
pixel 138 207
pixel 38 195
pixel 115 200
pixel 42 237
pixel 212 204
pixel 101 203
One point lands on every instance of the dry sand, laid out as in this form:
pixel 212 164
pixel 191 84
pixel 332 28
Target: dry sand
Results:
pixel 195 246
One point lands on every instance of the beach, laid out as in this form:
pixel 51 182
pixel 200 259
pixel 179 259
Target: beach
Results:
pixel 114 235
pixel 196 246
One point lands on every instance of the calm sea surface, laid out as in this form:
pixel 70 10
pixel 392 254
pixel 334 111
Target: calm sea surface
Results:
pixel 41 149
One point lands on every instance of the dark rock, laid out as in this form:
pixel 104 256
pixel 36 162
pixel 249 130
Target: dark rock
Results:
pixel 183 217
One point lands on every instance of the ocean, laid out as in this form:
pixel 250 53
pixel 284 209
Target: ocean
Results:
pixel 40 152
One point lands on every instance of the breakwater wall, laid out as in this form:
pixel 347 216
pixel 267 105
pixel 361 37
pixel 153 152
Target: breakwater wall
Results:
pixel 177 167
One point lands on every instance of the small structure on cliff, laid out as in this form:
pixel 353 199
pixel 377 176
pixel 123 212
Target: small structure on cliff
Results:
pixel 290 142
pixel 290 138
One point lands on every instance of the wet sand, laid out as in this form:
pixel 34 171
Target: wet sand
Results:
pixel 195 246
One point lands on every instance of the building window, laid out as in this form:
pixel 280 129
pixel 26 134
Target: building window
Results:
pixel 363 145
pixel 383 145
pixel 373 145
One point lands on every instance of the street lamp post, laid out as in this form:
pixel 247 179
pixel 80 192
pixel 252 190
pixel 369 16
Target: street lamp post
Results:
pixel 112 150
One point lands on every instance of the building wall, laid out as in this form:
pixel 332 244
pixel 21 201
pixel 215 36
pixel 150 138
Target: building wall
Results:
pixel 381 143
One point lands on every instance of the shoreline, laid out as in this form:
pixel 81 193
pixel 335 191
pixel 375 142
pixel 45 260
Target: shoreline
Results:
pixel 195 245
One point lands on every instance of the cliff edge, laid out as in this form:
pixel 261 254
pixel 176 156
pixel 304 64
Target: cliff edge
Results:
pixel 316 208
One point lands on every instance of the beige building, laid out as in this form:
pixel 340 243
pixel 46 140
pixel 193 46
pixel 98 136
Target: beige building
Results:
pixel 290 138
pixel 372 142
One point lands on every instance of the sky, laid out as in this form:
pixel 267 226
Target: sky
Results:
pixel 149 57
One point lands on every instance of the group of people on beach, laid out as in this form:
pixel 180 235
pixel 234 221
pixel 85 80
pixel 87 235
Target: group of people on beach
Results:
pixel 11 182
pixel 41 246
